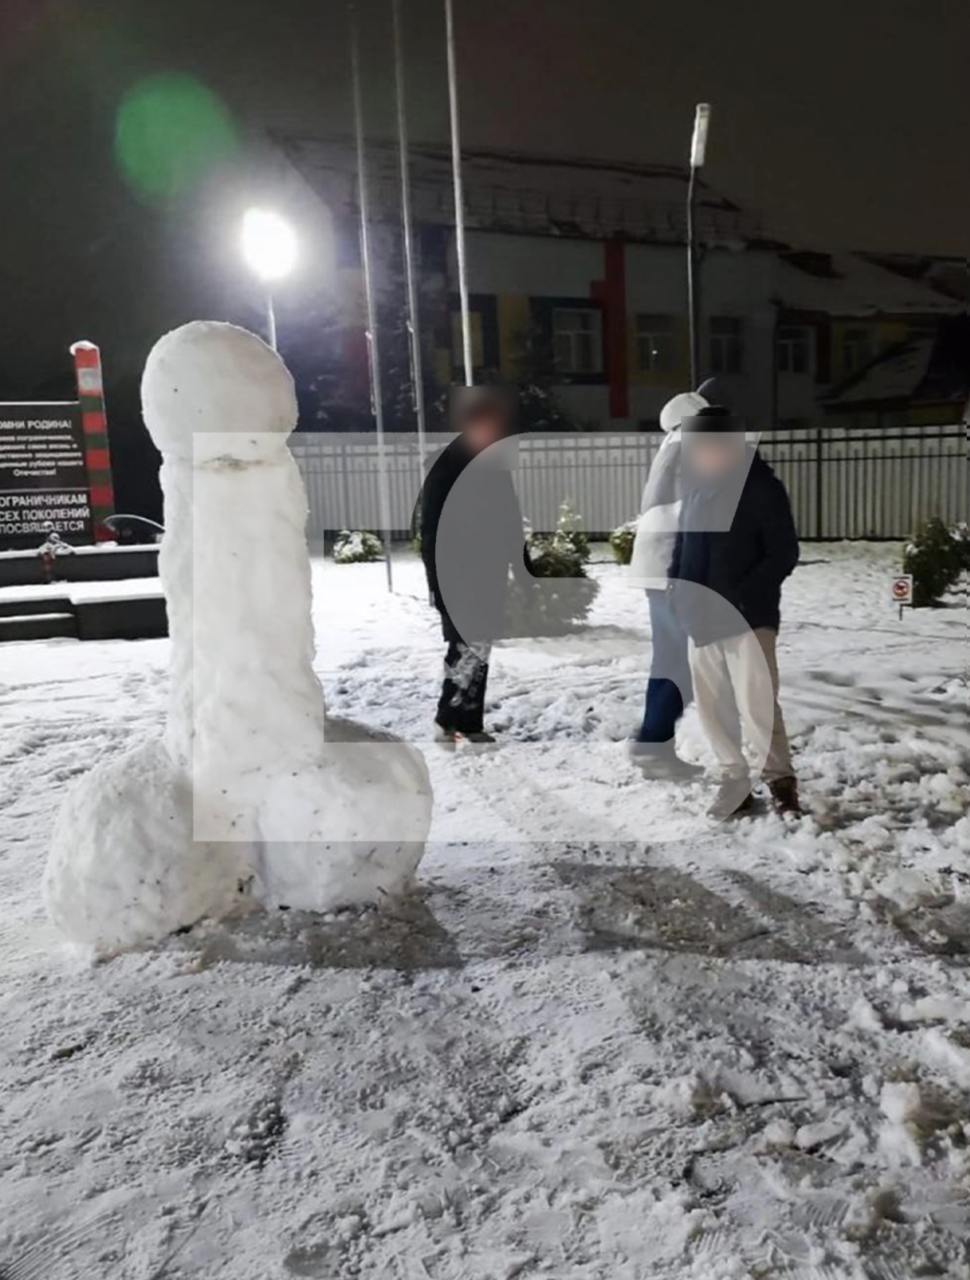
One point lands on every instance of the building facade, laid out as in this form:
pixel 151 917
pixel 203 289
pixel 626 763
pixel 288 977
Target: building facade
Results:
pixel 577 280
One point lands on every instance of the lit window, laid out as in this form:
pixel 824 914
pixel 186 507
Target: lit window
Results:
pixel 656 347
pixel 577 336
pixel 727 347
pixel 794 349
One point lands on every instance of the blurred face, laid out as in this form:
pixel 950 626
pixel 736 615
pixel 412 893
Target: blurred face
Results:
pixel 484 429
pixel 714 454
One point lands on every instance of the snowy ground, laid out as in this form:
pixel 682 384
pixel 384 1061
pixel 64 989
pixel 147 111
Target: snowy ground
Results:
pixel 608 1041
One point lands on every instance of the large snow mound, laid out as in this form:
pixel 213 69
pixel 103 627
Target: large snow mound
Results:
pixel 124 868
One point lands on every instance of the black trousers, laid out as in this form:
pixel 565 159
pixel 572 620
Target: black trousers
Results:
pixel 462 702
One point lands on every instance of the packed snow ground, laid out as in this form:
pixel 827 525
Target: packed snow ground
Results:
pixel 607 1041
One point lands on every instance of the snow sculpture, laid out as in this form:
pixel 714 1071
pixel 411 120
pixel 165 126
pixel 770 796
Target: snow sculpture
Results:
pixel 253 795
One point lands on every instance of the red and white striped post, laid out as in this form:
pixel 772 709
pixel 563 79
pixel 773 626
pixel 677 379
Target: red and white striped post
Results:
pixel 94 422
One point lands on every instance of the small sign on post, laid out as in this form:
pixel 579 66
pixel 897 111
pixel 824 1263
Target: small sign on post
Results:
pixel 902 591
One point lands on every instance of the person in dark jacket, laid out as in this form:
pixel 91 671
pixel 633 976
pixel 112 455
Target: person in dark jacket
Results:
pixel 471 534
pixel 735 546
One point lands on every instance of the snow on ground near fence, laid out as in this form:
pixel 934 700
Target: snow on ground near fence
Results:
pixel 696 1052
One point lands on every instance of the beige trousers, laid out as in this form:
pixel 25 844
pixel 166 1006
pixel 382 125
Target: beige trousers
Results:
pixel 736 689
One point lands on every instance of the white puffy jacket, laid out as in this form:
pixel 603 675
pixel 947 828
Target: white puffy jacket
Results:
pixel 653 545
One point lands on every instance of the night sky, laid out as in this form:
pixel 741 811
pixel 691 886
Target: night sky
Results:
pixel 843 121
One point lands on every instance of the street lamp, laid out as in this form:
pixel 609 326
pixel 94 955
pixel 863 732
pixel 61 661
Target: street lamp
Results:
pixel 698 148
pixel 269 248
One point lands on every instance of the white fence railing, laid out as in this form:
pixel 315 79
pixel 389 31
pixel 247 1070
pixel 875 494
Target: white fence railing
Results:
pixel 843 483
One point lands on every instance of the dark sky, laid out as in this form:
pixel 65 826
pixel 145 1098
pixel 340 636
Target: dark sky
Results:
pixel 845 122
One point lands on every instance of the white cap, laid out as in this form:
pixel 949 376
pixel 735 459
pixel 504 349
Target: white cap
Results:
pixel 684 405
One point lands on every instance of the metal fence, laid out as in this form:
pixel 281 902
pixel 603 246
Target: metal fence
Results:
pixel 843 483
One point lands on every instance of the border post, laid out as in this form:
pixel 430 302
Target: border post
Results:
pixel 94 423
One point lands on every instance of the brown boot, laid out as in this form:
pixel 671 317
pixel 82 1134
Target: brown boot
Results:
pixel 784 792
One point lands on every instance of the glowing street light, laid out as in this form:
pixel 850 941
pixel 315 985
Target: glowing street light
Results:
pixel 698 143
pixel 698 153
pixel 270 250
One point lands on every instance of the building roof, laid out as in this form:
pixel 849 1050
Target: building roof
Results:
pixel 514 192
pixel 925 369
pixel 893 375
pixel 594 199
pixel 947 275
pixel 848 284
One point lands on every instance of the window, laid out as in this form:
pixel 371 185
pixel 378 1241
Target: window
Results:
pixel 856 349
pixel 795 349
pixel 656 348
pixel 577 338
pixel 727 347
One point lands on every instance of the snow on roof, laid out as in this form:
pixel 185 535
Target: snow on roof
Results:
pixel 596 199
pixel 947 275
pixel 510 191
pixel 851 285
pixel 894 375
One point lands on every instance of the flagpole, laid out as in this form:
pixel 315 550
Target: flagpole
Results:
pixel 466 338
pixel 373 348
pixel 414 332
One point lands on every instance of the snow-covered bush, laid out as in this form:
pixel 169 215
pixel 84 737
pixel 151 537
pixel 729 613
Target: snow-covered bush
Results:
pixel 569 529
pixel 621 542
pixel 547 609
pixel 357 546
pixel 936 557
pixel 961 535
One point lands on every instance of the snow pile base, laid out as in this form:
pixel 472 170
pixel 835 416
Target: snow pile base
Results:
pixel 123 866
pixel 253 795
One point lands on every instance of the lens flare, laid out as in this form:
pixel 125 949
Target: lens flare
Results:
pixel 170 132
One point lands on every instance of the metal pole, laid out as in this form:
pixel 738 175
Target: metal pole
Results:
pixel 466 337
pixel 270 321
pixel 414 332
pixel 373 349
pixel 698 151
pixel 692 292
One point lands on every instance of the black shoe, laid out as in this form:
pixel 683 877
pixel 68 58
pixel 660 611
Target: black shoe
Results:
pixel 784 792
pixel 445 737
pixel 660 761
pixel 450 738
pixel 733 798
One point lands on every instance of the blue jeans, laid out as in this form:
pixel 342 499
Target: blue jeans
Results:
pixel 669 688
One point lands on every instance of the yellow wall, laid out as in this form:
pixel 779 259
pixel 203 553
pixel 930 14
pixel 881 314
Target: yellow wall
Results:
pixel 514 319
pixel 882 334
pixel 934 415
pixel 457 349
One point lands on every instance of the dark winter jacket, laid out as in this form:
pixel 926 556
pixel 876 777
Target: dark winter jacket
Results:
pixel 745 559
pixel 479 535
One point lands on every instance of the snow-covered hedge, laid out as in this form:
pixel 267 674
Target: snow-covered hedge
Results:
pixel 356 546
pixel 548 608
pixel 569 530
pixel 621 542
pixel 936 557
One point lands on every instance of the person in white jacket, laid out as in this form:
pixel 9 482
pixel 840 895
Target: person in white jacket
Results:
pixel 669 684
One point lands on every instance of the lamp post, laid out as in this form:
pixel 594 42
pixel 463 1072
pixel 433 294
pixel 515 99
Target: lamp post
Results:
pixel 269 248
pixel 698 148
